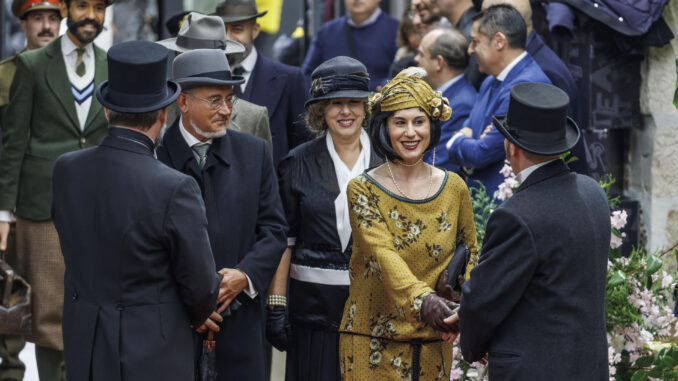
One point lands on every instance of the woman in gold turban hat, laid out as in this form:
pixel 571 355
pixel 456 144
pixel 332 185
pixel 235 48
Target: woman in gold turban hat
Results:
pixel 407 218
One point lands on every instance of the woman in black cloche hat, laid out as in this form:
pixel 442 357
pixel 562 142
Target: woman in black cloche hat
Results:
pixel 313 179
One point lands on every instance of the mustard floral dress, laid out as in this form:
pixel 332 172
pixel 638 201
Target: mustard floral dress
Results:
pixel 400 247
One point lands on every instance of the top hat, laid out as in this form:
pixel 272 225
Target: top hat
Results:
pixel 21 7
pixel 200 31
pixel 238 10
pixel 203 67
pixel 137 78
pixel 339 77
pixel 537 121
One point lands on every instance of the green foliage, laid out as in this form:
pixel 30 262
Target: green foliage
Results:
pixel 483 206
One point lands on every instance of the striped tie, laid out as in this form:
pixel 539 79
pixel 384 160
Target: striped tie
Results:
pixel 80 64
pixel 201 150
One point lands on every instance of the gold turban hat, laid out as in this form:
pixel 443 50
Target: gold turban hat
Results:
pixel 408 89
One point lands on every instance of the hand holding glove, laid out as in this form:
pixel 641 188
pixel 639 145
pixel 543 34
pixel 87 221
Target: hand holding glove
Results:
pixel 434 310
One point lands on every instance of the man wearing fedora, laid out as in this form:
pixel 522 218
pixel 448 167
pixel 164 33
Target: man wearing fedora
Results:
pixel 200 31
pixel 139 268
pixel 246 222
pixel 51 112
pixel 281 88
pixel 536 300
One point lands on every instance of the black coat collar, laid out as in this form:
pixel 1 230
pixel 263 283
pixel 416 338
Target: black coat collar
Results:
pixel 545 172
pixel 129 140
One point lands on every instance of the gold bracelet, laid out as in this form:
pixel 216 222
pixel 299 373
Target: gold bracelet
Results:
pixel 276 300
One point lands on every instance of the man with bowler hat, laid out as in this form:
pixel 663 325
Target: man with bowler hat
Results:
pixel 535 303
pixel 52 111
pixel 246 222
pixel 281 88
pixel 200 31
pixel 139 268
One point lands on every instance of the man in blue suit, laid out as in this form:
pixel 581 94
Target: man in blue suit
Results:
pixel 498 44
pixel 442 53
pixel 366 34
pixel 282 89
pixel 556 70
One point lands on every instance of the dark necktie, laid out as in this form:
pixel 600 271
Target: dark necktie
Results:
pixel 80 64
pixel 237 88
pixel 201 149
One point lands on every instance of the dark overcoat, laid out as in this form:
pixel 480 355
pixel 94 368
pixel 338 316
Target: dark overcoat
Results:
pixel 247 230
pixel 139 268
pixel 283 90
pixel 536 300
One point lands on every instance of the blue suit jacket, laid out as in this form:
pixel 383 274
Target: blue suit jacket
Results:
pixel 486 156
pixel 461 95
pixel 283 90
pixel 374 45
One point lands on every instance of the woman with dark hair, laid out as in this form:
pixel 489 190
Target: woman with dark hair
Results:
pixel 407 219
pixel 313 179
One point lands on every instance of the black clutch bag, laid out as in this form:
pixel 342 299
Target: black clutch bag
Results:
pixel 15 301
pixel 457 266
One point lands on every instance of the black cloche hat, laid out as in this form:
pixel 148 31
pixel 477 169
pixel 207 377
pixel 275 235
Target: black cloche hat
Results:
pixel 339 77
pixel 137 78
pixel 537 121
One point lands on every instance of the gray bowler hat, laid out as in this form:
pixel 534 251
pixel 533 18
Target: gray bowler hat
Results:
pixel 203 67
pixel 202 32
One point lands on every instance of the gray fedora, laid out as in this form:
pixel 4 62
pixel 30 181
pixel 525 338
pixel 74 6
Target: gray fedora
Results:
pixel 202 32
pixel 203 67
pixel 238 10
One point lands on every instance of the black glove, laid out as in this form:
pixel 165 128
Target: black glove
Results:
pixel 278 329
pixel 435 309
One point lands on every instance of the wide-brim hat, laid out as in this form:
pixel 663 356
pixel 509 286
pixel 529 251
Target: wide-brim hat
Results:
pixel 537 121
pixel 200 31
pixel 203 67
pixel 238 10
pixel 20 8
pixel 339 77
pixel 137 78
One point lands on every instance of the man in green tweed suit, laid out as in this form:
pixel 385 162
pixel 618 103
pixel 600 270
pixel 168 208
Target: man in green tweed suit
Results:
pixel 51 112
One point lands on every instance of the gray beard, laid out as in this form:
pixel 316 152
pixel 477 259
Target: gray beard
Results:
pixel 208 135
pixel 158 139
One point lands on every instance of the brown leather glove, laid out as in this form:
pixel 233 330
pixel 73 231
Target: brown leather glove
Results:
pixel 443 289
pixel 435 309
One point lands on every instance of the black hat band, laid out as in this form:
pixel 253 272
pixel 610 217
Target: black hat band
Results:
pixel 545 138
pixel 126 99
pixel 195 43
pixel 223 75
pixel 325 85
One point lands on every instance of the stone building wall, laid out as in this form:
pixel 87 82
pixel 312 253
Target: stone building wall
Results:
pixel 652 161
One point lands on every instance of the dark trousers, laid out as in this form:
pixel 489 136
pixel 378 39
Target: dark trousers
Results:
pixel 51 365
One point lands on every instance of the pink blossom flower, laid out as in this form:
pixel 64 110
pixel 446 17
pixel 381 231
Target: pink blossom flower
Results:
pixel 506 170
pixel 456 373
pixel 615 241
pixel 504 191
pixel 618 219
pixel 667 281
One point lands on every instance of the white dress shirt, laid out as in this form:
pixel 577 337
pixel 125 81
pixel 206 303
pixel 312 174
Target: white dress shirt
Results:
pixel 525 173
pixel 370 20
pixel 82 88
pixel 191 141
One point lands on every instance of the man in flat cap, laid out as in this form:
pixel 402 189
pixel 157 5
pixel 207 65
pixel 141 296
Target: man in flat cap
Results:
pixel 139 269
pixel 535 303
pixel 51 112
pixel 200 31
pixel 40 23
pixel 281 88
pixel 246 222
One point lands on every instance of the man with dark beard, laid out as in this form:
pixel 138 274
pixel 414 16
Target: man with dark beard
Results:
pixel 51 112
pixel 40 23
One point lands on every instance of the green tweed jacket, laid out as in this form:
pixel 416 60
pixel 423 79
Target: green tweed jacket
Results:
pixel 40 124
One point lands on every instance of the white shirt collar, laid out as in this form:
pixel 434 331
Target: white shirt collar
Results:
pixel 370 20
pixel 249 61
pixel 449 83
pixel 68 47
pixel 509 67
pixel 344 175
pixel 188 138
pixel 525 173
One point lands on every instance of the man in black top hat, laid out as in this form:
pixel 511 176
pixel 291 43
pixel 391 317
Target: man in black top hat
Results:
pixel 283 89
pixel 536 300
pixel 133 232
